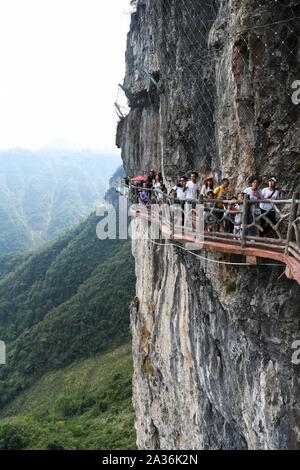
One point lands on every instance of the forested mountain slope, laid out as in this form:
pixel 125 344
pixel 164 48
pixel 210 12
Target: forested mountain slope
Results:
pixel 44 192
pixel 87 405
pixel 64 303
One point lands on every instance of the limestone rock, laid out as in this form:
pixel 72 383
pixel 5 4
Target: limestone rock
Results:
pixel 212 364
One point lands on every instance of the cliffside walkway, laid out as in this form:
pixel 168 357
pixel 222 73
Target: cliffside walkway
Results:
pixel 200 230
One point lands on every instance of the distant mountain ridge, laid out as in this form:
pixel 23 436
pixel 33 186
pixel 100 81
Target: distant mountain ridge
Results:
pixel 44 192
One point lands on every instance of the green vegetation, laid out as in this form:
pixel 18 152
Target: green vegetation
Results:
pixel 66 302
pixel 85 406
pixel 9 263
pixel 230 287
pixel 43 193
pixel 64 315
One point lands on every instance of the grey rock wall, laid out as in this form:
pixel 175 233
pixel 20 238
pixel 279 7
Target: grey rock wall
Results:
pixel 212 343
pixel 212 353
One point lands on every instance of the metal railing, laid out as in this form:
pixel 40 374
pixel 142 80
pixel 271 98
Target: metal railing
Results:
pixel 241 223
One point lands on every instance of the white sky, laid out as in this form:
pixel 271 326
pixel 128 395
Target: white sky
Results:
pixel 60 64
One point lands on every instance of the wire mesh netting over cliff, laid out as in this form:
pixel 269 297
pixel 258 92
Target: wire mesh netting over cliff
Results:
pixel 226 83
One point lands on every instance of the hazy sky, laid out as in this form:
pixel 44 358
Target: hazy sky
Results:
pixel 60 64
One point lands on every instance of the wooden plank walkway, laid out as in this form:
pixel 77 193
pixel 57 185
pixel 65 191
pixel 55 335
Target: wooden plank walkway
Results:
pixel 212 244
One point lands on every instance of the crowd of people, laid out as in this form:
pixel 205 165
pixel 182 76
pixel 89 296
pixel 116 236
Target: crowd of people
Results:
pixel 219 215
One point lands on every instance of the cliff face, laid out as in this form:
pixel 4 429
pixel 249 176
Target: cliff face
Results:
pixel 212 343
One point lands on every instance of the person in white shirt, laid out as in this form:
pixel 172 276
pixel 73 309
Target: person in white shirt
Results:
pixel 267 208
pixel 193 187
pixel 254 193
pixel 180 189
pixel 192 195
pixel 159 189
pixel 207 187
pixel 180 194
